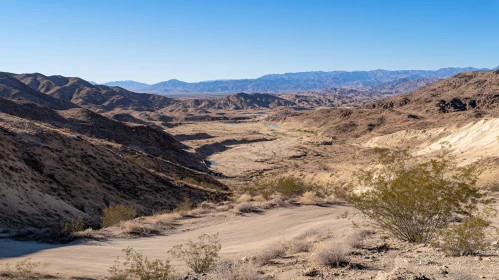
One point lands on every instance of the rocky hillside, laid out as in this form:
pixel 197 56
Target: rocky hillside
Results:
pixel 292 82
pixel 96 97
pixel 60 161
pixel 464 92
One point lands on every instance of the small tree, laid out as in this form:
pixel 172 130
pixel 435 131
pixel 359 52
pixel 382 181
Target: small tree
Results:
pixel 113 215
pixel 414 201
pixel 199 256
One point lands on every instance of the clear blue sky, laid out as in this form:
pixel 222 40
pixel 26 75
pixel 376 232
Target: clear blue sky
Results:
pixel 152 41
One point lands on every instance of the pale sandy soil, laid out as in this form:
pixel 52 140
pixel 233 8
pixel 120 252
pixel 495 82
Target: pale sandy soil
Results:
pixel 239 235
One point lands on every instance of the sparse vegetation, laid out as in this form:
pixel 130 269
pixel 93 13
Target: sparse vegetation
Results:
pixel 113 215
pixel 443 192
pixel 308 198
pixel 304 130
pixel 287 186
pixel 184 207
pixel 74 225
pixel 139 267
pixel 273 251
pixel 23 270
pixel 229 269
pixel 332 255
pixel 201 255
pixel 465 238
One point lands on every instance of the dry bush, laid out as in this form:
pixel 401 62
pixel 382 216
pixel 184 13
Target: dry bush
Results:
pixel 443 191
pixel 287 186
pixel 184 207
pixel 24 269
pixel 244 207
pixel 310 233
pixel 163 219
pixel 356 240
pixel 299 245
pixel 332 255
pixel 308 198
pixel 201 255
pixel 236 270
pixel 244 198
pixel 273 251
pixel 198 211
pixel 207 205
pixel 466 238
pixel 74 225
pixel 259 198
pixel 135 228
pixel 138 267
pixel 113 215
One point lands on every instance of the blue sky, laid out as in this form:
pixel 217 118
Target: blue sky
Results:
pixel 152 41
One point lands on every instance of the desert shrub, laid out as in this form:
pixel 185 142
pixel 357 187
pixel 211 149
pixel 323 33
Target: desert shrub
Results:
pixel 184 207
pixel 135 228
pixel 465 238
pixel 201 255
pixel 137 266
pixel 304 130
pixel 356 240
pixel 332 255
pixel 308 198
pixel 113 215
pixel 244 198
pixel 24 269
pixel 244 207
pixel 162 219
pixel 74 225
pixel 414 201
pixel 273 251
pixel 299 245
pixel 287 186
pixel 236 270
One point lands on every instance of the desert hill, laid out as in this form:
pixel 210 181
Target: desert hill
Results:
pixel 60 161
pixel 466 91
pixel 96 97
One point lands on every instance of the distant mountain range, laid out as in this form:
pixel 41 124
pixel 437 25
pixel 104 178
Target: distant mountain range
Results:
pixel 292 82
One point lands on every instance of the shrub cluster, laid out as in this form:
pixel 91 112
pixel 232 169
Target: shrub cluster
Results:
pixel 113 215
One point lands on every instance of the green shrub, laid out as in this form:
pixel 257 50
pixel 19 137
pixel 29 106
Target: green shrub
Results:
pixel 113 215
pixel 288 186
pixel 138 267
pixel 414 201
pixel 465 238
pixel 74 225
pixel 304 130
pixel 201 255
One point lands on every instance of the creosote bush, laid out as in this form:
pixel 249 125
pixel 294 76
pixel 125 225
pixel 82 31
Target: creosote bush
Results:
pixel 414 201
pixel 287 186
pixel 137 266
pixel 74 225
pixel 184 207
pixel 113 215
pixel 201 255
pixel 465 238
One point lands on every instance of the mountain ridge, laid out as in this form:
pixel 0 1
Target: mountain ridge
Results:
pixel 299 81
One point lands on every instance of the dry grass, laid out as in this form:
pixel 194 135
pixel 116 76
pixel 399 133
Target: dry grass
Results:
pixel 229 269
pixel 24 269
pixel 273 251
pixel 299 246
pixel 332 255
pixel 308 198
pixel 356 240
pixel 244 207
pixel 136 228
pixel 162 219
pixel 244 198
